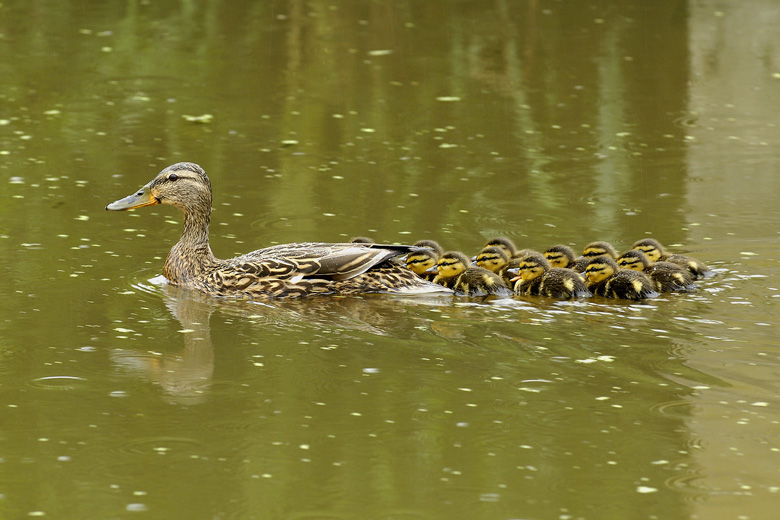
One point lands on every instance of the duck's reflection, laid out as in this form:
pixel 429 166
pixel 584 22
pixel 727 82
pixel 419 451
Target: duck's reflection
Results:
pixel 186 375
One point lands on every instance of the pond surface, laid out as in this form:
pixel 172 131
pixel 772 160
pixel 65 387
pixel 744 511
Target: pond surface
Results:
pixel 547 122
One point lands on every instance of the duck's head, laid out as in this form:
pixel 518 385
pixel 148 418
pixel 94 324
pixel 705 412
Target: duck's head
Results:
pixel 184 185
pixel 651 247
pixel 431 244
pixel 504 243
pixel 559 256
pixel 600 268
pixel 452 264
pixel 595 249
pixel 421 260
pixel 633 259
pixel 492 258
pixel 531 266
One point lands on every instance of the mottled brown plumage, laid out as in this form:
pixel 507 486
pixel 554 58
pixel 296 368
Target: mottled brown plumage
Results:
pixel 288 270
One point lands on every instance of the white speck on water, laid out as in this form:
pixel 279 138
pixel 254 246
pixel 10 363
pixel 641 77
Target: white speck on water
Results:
pixel 646 489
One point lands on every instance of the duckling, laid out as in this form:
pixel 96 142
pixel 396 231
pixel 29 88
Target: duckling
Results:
pixel 496 259
pixel 666 276
pixel 421 261
pixel 535 277
pixel 595 249
pixel 432 244
pixel 454 273
pixel 563 256
pixel 508 246
pixel 605 278
pixel 655 252
pixel 362 240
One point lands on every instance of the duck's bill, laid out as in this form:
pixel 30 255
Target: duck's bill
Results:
pixel 143 198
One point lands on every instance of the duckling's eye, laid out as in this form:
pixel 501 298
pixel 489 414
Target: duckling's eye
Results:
pixel 172 177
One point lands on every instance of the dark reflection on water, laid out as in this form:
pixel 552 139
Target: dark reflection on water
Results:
pixel 560 122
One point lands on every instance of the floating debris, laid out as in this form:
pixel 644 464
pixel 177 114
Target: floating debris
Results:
pixel 202 119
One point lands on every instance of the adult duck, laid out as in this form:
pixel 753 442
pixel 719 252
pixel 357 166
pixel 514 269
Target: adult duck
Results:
pixel 288 270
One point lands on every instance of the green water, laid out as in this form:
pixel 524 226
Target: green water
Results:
pixel 548 122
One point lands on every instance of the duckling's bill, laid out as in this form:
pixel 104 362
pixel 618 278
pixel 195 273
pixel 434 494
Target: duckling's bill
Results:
pixel 140 199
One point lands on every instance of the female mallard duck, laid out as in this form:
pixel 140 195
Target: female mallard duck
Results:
pixel 535 277
pixel 422 262
pixel 453 271
pixel 285 270
pixel 605 278
pixel 563 256
pixel 655 252
pixel 666 276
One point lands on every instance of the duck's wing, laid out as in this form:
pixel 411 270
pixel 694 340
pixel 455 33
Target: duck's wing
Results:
pixel 332 261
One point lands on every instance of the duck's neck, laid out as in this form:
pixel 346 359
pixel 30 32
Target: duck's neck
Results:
pixel 191 256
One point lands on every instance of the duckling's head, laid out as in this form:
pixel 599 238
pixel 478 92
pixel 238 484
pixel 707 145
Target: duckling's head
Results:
pixel 421 260
pixel 452 264
pixel 600 268
pixel 559 256
pixel 504 243
pixel 361 240
pixel 650 247
pixel 532 266
pixel 633 259
pixel 431 244
pixel 595 249
pixel 184 185
pixel 492 258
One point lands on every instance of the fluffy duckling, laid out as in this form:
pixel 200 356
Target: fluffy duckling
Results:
pixel 600 248
pixel 535 277
pixel 432 244
pixel 361 240
pixel 605 278
pixel 496 259
pixel 655 252
pixel 563 256
pixel 666 276
pixel 454 272
pixel 508 246
pixel 422 261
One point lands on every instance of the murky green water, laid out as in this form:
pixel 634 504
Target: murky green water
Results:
pixel 549 122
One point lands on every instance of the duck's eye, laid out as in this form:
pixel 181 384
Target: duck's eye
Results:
pixel 172 177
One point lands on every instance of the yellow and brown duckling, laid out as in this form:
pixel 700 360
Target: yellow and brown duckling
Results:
pixel 605 278
pixel 362 240
pixel 535 277
pixel 455 272
pixel 430 244
pixel 496 259
pixel 288 270
pixel 656 253
pixel 599 248
pixel 508 246
pixel 563 256
pixel 422 262
pixel 666 276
